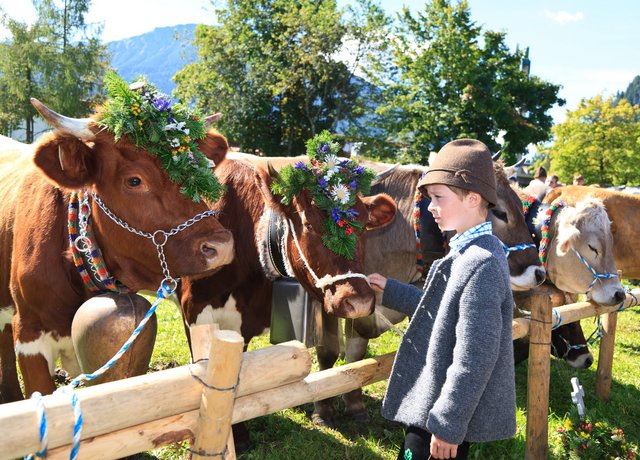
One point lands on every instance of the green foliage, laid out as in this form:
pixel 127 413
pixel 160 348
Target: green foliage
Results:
pixel 599 140
pixel 444 80
pixel 593 440
pixel 170 132
pixel 271 68
pixel 57 59
pixel 632 93
pixel 334 184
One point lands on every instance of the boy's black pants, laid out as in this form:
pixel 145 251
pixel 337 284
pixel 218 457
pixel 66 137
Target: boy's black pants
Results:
pixel 417 443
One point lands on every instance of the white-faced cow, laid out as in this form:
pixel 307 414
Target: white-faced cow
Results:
pixel 579 257
pixel 623 210
pixel 41 288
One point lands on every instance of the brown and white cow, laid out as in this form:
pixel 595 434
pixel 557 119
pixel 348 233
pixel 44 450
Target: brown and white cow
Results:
pixel 238 296
pixel 623 210
pixel 40 282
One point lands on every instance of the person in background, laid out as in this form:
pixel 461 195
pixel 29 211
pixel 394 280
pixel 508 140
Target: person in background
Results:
pixel 578 179
pixel 452 381
pixel 537 186
pixel 552 181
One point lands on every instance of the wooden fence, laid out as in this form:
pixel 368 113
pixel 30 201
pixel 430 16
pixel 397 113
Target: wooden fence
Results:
pixel 200 401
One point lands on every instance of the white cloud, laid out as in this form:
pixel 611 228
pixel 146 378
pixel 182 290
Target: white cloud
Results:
pixel 563 17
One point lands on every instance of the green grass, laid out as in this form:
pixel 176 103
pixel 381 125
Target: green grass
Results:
pixel 289 434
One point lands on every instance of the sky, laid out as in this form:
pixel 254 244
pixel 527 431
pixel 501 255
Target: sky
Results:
pixel 589 47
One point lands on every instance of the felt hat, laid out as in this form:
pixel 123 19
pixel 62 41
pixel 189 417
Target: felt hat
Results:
pixel 466 164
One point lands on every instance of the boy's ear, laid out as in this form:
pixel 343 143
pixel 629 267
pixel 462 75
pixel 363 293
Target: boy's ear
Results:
pixel 474 199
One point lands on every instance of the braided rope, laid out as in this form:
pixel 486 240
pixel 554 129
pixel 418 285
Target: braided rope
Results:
pixel 327 280
pixel 81 239
pixel 44 434
pixel 546 234
pixel 518 247
pixel 526 204
pixel 416 230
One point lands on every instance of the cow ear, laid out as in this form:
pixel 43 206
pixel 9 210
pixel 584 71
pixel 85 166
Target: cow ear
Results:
pixel 567 236
pixel 66 161
pixel 214 146
pixel 263 180
pixel 382 210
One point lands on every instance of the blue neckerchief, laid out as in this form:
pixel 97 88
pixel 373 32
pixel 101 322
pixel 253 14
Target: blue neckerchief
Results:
pixel 463 239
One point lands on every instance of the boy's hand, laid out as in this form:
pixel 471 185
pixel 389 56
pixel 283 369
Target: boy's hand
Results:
pixel 442 449
pixel 378 282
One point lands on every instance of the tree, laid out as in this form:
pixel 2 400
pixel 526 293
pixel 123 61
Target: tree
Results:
pixel 600 140
pixel 56 60
pixel 272 69
pixel 632 93
pixel 441 82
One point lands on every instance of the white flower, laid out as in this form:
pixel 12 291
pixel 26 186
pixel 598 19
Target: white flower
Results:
pixel 341 193
pixel 175 142
pixel 177 126
pixel 332 163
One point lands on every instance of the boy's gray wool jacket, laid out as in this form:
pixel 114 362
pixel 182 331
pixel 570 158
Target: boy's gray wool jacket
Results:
pixel 454 373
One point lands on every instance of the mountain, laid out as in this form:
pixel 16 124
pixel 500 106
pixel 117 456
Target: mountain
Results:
pixel 158 55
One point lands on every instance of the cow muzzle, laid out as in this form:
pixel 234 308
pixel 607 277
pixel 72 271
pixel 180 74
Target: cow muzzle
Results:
pixel 351 298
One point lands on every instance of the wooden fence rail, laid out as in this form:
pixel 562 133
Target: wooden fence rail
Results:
pixel 142 413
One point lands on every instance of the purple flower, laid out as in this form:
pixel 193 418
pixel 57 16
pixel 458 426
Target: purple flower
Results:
pixel 358 170
pixel 300 165
pixel 353 184
pixel 161 103
pixel 336 214
pixel 322 182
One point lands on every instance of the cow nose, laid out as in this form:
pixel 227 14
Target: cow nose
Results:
pixel 218 250
pixel 619 296
pixel 588 362
pixel 540 275
pixel 209 250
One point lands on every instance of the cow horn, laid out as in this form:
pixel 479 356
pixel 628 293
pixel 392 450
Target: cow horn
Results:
pixel 496 155
pixel 77 127
pixel 384 174
pixel 272 171
pixel 61 157
pixel 211 119
pixel 518 163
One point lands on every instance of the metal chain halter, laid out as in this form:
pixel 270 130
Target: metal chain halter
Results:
pixel 158 238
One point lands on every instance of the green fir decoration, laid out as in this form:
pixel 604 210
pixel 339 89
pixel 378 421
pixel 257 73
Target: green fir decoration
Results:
pixel 334 183
pixel 169 131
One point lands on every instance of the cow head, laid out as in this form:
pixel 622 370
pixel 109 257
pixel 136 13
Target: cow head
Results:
pixel 583 230
pixel 510 226
pixel 350 297
pixel 81 154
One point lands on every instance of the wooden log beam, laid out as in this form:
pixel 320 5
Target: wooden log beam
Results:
pixel 538 378
pixel 604 374
pixel 115 405
pixel 151 435
pixel 218 395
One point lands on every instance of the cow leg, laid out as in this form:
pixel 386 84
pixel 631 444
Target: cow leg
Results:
pixel 36 358
pixel 324 412
pixel 9 384
pixel 353 400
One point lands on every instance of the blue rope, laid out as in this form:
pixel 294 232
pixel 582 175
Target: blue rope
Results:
pixel 517 247
pixel 558 317
pixel 44 435
pixel 596 276
pixel 164 291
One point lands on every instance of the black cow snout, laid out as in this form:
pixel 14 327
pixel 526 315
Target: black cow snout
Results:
pixel 619 296
pixel 540 275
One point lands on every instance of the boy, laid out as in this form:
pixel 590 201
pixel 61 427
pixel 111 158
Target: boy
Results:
pixel 453 379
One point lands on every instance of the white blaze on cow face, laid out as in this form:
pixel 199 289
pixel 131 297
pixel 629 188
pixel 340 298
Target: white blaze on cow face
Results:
pixel 587 229
pixel 227 317
pixel 51 348
pixel 6 314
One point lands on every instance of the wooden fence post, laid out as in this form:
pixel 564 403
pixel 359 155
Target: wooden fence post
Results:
pixel 605 357
pixel 538 377
pixel 218 395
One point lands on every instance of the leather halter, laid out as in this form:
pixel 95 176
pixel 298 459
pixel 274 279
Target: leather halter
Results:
pixel 275 250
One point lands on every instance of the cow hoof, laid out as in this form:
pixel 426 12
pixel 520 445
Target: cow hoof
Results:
pixel 359 416
pixel 326 422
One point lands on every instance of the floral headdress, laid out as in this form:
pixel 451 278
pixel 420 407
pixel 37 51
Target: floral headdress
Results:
pixel 333 182
pixel 169 131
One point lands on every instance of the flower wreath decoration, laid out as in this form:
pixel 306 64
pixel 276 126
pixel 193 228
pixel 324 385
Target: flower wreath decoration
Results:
pixel 169 131
pixel 333 183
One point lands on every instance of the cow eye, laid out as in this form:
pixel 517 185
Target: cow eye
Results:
pixel 500 215
pixel 593 249
pixel 134 181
